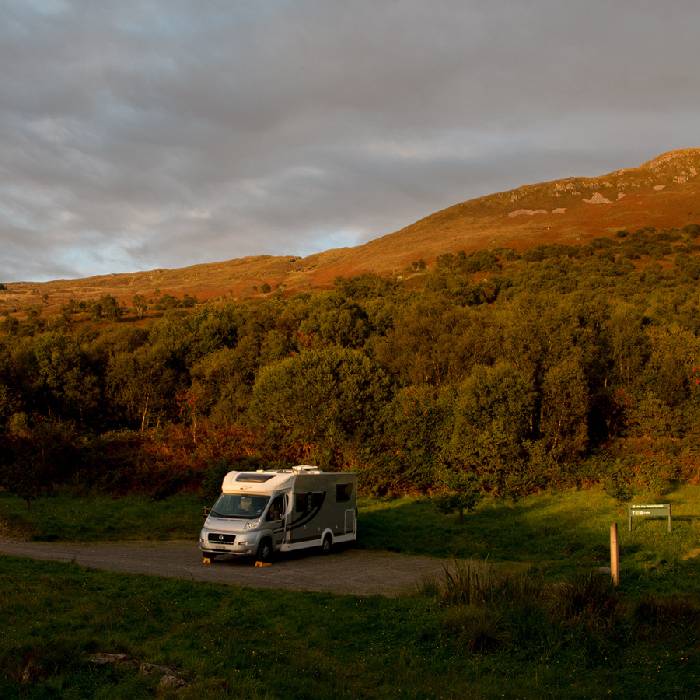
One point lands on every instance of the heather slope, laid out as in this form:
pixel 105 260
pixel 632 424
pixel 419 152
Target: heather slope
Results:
pixel 663 193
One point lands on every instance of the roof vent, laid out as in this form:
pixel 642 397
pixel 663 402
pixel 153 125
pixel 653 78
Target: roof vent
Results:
pixel 254 477
pixel 306 468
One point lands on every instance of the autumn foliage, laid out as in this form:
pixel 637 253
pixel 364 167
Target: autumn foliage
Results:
pixel 513 372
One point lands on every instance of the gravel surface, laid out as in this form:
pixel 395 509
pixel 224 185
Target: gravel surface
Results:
pixel 350 571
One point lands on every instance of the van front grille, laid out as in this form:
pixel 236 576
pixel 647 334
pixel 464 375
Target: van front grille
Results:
pixel 221 538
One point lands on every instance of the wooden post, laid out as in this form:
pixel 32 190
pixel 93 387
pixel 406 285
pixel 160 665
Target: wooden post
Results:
pixel 614 555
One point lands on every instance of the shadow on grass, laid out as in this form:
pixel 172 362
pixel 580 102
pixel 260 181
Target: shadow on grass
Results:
pixel 559 534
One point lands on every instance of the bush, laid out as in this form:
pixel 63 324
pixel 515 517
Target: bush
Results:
pixel 618 483
pixel 36 458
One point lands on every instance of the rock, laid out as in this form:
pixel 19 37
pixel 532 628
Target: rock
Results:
pixel 146 669
pixel 31 672
pixel 102 658
pixel 170 682
pixel 528 212
pixel 597 198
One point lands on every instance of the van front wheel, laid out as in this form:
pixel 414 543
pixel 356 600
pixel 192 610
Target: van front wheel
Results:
pixel 327 545
pixel 265 550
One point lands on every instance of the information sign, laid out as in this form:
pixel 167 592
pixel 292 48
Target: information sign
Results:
pixel 650 510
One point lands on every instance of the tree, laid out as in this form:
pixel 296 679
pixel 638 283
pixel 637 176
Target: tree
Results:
pixel 8 403
pixel 414 426
pixel 143 385
pixel 565 406
pixel 140 304
pixel 106 307
pixel 460 492
pixel 318 403
pixel 492 423
pixel 62 378
pixel 673 354
pixel 333 319
pixel 629 344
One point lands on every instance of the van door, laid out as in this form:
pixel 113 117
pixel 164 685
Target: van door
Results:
pixel 350 522
pixel 276 518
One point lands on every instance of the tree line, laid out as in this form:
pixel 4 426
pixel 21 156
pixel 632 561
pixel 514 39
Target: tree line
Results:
pixel 509 372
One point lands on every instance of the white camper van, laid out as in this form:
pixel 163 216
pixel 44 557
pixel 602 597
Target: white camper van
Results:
pixel 261 512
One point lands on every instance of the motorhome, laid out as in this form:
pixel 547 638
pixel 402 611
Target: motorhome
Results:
pixel 262 512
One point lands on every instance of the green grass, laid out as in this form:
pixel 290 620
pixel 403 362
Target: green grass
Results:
pixel 97 517
pixel 236 642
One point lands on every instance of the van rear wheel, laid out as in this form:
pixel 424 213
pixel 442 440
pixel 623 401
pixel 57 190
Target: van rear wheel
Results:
pixel 327 545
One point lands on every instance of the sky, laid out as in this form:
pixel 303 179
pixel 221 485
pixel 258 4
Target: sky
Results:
pixel 137 135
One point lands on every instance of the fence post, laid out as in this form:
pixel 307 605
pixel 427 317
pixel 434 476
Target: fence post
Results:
pixel 614 555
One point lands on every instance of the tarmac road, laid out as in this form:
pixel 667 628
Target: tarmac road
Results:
pixel 350 571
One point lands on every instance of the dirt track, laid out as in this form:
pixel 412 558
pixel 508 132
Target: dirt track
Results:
pixel 352 571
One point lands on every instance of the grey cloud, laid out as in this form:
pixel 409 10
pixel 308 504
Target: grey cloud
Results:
pixel 152 134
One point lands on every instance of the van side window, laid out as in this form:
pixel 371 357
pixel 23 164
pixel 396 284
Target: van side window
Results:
pixel 301 502
pixel 343 492
pixel 317 498
pixel 276 509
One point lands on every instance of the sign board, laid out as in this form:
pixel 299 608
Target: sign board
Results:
pixel 650 510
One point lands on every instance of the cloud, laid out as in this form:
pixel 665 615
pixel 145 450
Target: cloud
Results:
pixel 156 134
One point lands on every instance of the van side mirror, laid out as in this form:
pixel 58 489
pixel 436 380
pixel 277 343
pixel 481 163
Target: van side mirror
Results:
pixel 206 511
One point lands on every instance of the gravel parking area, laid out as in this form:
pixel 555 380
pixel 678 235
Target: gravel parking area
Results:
pixel 350 571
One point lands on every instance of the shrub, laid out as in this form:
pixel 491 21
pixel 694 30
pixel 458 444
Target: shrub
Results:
pixel 618 483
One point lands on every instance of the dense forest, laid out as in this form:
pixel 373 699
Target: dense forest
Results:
pixel 561 365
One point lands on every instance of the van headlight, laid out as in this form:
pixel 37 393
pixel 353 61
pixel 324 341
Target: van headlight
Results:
pixel 202 535
pixel 251 525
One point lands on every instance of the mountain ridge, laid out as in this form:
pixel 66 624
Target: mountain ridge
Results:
pixel 663 192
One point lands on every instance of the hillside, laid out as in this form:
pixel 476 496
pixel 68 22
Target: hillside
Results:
pixel 663 192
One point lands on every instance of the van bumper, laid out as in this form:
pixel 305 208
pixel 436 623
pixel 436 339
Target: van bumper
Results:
pixel 239 550
pixel 243 545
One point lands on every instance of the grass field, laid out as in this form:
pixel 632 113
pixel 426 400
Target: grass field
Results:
pixel 253 644
pixel 551 630
pixel 97 517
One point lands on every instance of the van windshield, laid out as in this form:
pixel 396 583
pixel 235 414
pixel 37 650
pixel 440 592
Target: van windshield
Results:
pixel 238 505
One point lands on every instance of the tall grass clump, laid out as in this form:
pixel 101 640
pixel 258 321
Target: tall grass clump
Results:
pixel 588 600
pixel 485 609
pixel 474 582
pixel 654 617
